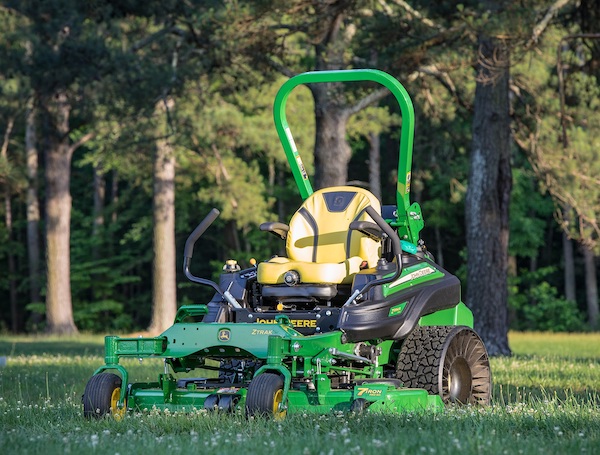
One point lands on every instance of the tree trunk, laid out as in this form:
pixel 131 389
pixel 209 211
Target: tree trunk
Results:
pixel 98 224
pixel 374 164
pixel 488 197
pixel 439 247
pixel 332 151
pixel 33 205
pixel 99 195
pixel 164 293
pixel 569 268
pixel 591 287
pixel 231 237
pixel 59 310
pixel 12 269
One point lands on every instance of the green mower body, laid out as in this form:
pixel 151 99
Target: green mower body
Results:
pixel 389 336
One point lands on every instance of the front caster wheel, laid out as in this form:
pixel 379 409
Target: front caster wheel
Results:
pixel 101 396
pixel 448 361
pixel 265 394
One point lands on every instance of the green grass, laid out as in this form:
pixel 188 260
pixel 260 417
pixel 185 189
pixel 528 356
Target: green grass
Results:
pixel 546 400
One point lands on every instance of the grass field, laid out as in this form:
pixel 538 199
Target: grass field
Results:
pixel 546 400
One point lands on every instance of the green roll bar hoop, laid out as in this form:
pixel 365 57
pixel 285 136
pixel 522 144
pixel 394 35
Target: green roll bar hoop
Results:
pixel 409 219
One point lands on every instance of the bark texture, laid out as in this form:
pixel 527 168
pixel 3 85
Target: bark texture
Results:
pixel 12 268
pixel 59 310
pixel 569 267
pixel 164 293
pixel 332 151
pixel 591 287
pixel 488 197
pixel 33 206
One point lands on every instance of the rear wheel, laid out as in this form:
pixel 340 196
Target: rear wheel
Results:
pixel 265 394
pixel 448 361
pixel 101 395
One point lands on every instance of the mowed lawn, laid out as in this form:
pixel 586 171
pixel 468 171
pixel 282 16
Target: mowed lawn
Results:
pixel 546 400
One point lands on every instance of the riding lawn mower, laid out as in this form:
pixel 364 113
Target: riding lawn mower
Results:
pixel 356 317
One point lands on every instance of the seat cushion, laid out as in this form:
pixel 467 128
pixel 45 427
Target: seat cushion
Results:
pixel 310 272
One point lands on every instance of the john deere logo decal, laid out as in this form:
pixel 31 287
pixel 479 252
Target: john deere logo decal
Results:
pixel 224 335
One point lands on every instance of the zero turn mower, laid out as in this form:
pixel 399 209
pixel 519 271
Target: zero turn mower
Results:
pixel 356 317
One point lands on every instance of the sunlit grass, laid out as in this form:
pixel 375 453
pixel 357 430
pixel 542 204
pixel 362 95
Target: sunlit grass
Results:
pixel 546 401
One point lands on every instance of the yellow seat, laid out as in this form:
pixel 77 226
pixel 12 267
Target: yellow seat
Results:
pixel 320 246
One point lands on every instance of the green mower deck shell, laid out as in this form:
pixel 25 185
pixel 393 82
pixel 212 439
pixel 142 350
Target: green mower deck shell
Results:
pixel 348 367
pixel 311 355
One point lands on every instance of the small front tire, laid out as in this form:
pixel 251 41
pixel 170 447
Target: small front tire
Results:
pixel 101 395
pixel 264 397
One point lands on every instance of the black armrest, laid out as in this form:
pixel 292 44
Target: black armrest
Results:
pixel 276 228
pixel 368 228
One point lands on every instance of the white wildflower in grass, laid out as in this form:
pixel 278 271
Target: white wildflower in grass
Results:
pixel 456 442
pixel 378 443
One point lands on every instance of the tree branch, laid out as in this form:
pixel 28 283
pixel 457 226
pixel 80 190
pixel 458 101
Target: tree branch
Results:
pixel 371 98
pixel 543 24
pixel 281 68
pixel 9 126
pixel 150 39
pixel 82 140
pixel 413 12
pixel 443 78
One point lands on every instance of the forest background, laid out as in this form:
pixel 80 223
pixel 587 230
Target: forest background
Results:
pixel 124 122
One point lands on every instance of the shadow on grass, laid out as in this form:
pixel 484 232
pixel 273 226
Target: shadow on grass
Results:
pixel 15 346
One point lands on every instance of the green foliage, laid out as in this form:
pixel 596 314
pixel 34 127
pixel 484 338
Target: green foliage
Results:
pixel 563 149
pixel 536 305
pixel 529 212
pixel 101 314
pixel 220 63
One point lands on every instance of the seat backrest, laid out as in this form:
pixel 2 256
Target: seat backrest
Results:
pixel 319 230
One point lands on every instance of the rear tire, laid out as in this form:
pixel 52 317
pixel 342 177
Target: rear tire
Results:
pixel 100 395
pixel 450 361
pixel 264 396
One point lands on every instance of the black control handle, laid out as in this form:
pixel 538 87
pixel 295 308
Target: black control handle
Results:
pixel 188 251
